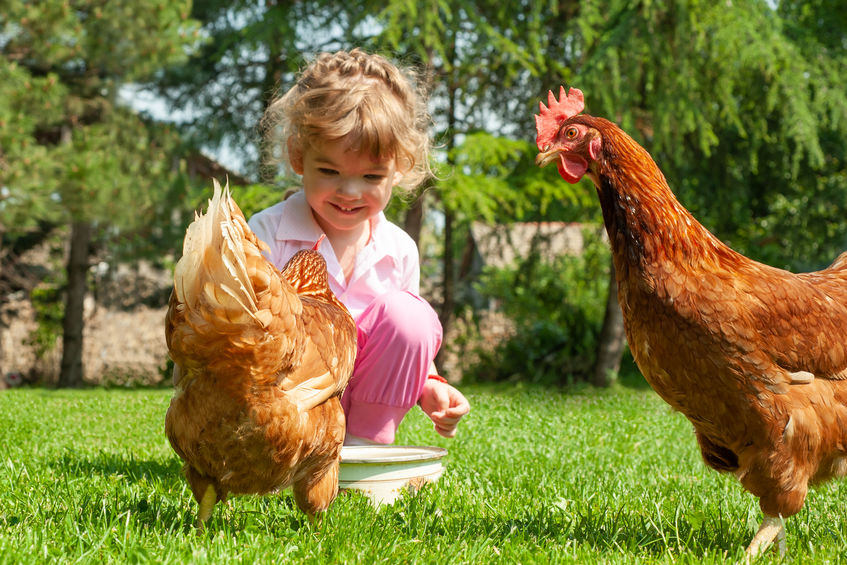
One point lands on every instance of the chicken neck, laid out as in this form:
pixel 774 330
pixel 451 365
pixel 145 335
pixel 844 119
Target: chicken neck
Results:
pixel 647 225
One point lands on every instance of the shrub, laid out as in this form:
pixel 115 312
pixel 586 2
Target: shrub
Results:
pixel 49 312
pixel 557 309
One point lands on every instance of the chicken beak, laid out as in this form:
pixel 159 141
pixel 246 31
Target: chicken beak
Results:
pixel 544 158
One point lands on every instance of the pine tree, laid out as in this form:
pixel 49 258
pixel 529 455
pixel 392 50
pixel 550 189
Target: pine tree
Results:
pixel 73 152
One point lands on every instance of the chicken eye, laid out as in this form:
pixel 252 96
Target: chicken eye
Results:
pixel 571 132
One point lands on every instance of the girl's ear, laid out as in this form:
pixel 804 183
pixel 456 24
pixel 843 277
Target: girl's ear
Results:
pixel 295 156
pixel 398 176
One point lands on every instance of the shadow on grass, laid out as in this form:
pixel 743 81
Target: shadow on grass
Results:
pixel 117 464
pixel 629 375
pixel 163 499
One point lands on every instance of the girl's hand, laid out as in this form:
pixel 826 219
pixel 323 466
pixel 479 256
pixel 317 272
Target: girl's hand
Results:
pixel 444 405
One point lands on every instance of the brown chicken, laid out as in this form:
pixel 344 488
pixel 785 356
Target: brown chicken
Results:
pixel 261 358
pixel 755 357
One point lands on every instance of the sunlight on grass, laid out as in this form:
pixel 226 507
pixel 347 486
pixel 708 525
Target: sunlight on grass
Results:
pixel 535 476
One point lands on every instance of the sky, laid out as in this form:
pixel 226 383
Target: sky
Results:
pixel 145 101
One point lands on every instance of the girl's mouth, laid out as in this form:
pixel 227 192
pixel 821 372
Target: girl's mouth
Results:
pixel 346 209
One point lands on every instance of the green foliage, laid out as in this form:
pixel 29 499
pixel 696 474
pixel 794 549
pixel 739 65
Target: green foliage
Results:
pixel 255 197
pixel 161 210
pixel 26 102
pixel 69 150
pixel 246 52
pixel 534 476
pixel 803 229
pixel 250 198
pixel 557 309
pixel 49 312
pixel 495 180
pixel 129 40
pixel 108 166
pixel 479 185
pixel 93 163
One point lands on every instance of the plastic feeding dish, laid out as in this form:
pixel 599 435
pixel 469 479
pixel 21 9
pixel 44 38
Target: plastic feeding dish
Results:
pixel 382 472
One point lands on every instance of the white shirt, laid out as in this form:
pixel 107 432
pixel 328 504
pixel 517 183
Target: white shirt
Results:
pixel 388 262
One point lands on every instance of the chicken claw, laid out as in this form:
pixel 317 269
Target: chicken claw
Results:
pixel 207 504
pixel 772 530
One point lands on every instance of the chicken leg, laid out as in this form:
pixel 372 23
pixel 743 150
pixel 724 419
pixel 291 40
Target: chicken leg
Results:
pixel 771 531
pixel 205 507
pixel 313 495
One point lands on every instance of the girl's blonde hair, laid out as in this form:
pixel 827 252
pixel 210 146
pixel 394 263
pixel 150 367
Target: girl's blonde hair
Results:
pixel 359 96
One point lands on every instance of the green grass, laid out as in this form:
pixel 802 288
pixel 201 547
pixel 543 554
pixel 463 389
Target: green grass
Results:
pixel 535 476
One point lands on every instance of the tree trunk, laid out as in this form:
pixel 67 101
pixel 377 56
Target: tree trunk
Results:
pixel 612 337
pixel 72 325
pixel 414 218
pixel 448 303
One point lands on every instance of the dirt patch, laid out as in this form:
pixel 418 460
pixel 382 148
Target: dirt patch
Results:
pixel 123 336
pixel 119 346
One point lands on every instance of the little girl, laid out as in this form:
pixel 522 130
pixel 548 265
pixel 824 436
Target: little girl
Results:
pixel 354 127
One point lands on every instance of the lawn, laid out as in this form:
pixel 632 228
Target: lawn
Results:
pixel 535 476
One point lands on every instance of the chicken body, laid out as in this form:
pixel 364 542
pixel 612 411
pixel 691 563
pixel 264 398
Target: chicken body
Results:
pixel 755 357
pixel 261 359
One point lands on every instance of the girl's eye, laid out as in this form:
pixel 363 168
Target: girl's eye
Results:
pixel 374 178
pixel 324 171
pixel 571 132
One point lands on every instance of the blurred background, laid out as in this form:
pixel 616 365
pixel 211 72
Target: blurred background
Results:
pixel 115 116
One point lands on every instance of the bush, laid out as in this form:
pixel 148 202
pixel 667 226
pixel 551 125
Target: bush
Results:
pixel 49 313
pixel 557 309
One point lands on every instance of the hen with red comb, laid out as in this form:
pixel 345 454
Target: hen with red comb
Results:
pixel 754 356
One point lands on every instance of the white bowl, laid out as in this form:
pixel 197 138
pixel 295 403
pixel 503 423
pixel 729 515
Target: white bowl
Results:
pixel 382 472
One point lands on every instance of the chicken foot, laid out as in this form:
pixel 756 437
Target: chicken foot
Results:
pixel 771 531
pixel 206 505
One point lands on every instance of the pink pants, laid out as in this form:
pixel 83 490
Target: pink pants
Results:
pixel 399 335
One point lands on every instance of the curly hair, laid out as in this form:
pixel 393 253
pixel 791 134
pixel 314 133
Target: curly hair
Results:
pixel 357 96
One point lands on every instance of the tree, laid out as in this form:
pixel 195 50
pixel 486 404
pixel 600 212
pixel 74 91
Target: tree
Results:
pixel 81 158
pixel 248 51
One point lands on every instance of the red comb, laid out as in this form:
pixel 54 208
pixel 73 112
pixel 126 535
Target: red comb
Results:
pixel 318 242
pixel 551 116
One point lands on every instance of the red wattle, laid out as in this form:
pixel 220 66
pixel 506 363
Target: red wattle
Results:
pixel 572 167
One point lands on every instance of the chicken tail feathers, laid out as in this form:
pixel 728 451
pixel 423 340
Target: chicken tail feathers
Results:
pixel 229 302
pixel 214 259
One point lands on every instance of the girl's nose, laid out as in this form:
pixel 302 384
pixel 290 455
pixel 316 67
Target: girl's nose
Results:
pixel 350 187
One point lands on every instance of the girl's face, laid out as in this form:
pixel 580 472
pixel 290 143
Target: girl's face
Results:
pixel 344 188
